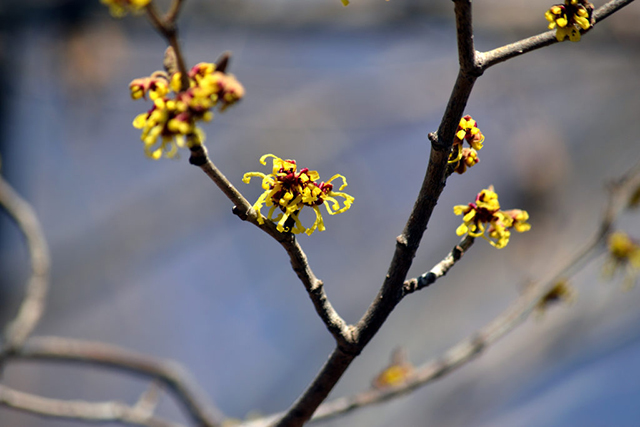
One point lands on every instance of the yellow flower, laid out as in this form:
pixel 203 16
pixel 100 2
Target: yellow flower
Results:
pixel 397 372
pixel 461 157
pixel 290 190
pixel 624 253
pixel 171 122
pixel 483 218
pixel 119 8
pixel 569 18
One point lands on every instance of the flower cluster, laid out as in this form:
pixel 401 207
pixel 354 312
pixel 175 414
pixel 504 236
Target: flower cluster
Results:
pixel 290 190
pixel 119 8
pixel 624 253
pixel 483 218
pixel 172 119
pixel 463 157
pixel 569 18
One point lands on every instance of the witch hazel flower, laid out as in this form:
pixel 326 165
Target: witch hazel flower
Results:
pixel 483 218
pixel 119 8
pixel 569 19
pixel 463 157
pixel 171 122
pixel 288 190
pixel 624 254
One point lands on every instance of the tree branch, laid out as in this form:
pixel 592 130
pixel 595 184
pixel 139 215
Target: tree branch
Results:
pixel 501 54
pixel 34 302
pixel 97 412
pixel 407 243
pixel 472 65
pixel 512 317
pixel 171 374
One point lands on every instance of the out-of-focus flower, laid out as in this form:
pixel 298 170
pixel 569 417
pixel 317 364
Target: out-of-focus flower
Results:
pixel 396 373
pixel 561 291
pixel 171 122
pixel 624 254
pixel 119 8
pixel 461 157
pixel 290 190
pixel 483 218
pixel 569 18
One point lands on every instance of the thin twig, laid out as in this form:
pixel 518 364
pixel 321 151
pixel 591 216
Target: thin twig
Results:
pixel 171 374
pixel 501 54
pixel 149 400
pixel 96 412
pixel 440 269
pixel 174 10
pixel 34 302
pixel 168 29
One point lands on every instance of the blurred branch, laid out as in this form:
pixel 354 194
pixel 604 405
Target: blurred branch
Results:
pixel 34 302
pixel 174 10
pixel 501 54
pixel 98 412
pixel 171 374
pixel 148 400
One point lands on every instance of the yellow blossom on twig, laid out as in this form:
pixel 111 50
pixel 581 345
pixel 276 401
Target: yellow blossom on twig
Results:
pixel 462 158
pixel 483 218
pixel 570 18
pixel 624 253
pixel 171 121
pixel 119 8
pixel 290 190
pixel 397 372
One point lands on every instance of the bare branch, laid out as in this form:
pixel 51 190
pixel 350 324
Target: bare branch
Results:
pixel 173 375
pixel 148 401
pixel 34 302
pixel 501 54
pixel 97 412
pixel 464 25
pixel 439 269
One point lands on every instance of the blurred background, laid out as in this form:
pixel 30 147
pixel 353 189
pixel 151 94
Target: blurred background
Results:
pixel 147 255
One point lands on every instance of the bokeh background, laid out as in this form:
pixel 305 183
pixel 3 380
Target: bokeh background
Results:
pixel 147 255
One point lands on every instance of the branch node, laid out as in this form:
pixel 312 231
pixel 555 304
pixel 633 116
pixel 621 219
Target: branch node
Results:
pixel 198 155
pixel 242 214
